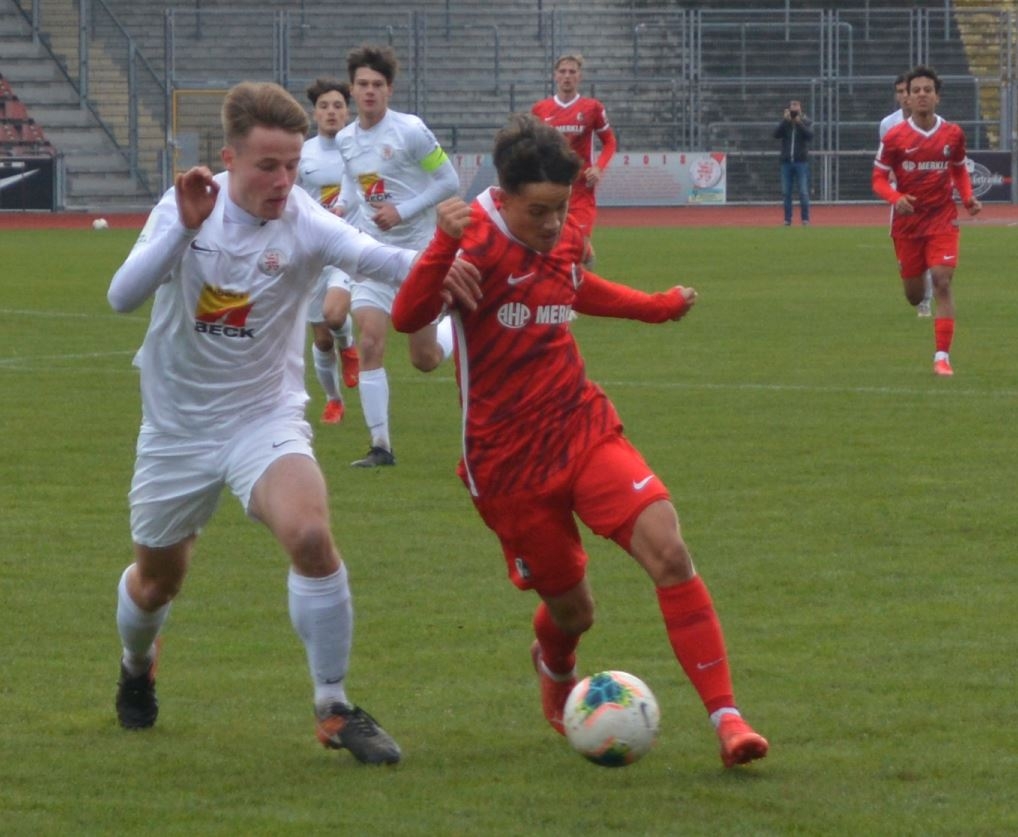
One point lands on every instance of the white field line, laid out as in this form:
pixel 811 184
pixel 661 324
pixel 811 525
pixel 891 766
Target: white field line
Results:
pixel 31 362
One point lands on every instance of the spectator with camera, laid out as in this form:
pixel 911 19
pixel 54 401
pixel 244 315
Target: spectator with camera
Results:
pixel 795 134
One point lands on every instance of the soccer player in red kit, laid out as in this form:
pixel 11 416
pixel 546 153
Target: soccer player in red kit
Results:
pixel 579 118
pixel 926 155
pixel 542 444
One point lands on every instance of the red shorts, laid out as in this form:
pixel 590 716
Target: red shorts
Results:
pixel 607 490
pixel 583 209
pixel 918 253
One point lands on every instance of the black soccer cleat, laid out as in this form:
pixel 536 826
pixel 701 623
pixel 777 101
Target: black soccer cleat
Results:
pixel 137 706
pixel 376 457
pixel 340 726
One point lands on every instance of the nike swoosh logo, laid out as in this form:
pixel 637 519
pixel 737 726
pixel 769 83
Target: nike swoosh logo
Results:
pixel 17 178
pixel 196 246
pixel 515 280
pixel 711 664
pixel 284 442
pixel 948 258
pixel 642 484
pixel 911 150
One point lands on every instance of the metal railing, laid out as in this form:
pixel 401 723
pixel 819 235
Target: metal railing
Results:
pixel 681 79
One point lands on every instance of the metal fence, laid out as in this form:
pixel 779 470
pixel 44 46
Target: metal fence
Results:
pixel 672 79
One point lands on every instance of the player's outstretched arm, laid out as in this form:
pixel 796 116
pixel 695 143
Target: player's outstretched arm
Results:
pixel 438 278
pixel 599 297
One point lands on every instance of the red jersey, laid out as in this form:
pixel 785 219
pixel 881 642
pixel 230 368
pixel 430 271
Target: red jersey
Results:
pixel 528 408
pixel 928 165
pixel 578 121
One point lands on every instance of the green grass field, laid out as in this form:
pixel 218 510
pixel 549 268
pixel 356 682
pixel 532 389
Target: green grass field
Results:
pixel 854 516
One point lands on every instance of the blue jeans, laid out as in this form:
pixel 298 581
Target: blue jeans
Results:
pixel 800 173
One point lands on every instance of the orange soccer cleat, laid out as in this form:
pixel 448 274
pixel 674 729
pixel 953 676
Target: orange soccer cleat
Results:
pixel 943 368
pixel 333 412
pixel 740 744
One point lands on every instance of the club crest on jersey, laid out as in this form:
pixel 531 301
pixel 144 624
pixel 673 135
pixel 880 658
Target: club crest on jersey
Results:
pixel 386 152
pixel 522 570
pixel 223 313
pixel 947 151
pixel 272 262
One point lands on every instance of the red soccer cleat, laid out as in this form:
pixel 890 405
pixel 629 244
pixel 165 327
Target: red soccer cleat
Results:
pixel 739 743
pixel 555 689
pixel 333 412
pixel 350 361
pixel 943 368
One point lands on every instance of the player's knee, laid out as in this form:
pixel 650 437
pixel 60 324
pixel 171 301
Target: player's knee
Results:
pixel 425 359
pixel 311 549
pixel 155 591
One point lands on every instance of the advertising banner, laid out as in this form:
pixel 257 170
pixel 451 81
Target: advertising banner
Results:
pixel 26 183
pixel 634 178
pixel 991 175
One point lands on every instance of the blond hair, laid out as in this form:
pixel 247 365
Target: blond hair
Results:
pixel 570 56
pixel 253 103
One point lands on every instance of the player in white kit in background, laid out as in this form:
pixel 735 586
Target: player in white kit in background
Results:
pixel 395 173
pixel 321 176
pixel 231 261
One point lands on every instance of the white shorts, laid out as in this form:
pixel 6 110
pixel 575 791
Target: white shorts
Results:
pixel 178 479
pixel 368 293
pixel 332 277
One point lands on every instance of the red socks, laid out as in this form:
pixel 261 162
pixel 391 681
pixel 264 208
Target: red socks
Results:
pixel 943 331
pixel 699 645
pixel 558 649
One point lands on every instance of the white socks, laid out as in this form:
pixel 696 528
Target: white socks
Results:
pixel 138 629
pixel 374 389
pixel 344 334
pixel 322 616
pixel 443 334
pixel 715 717
pixel 327 372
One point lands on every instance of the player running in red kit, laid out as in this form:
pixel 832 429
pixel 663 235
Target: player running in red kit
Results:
pixel 579 119
pixel 926 155
pixel 542 443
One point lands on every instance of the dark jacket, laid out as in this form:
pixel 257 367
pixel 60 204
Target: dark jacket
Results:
pixel 795 139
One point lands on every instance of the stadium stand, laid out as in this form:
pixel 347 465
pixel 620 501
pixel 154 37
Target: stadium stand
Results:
pixel 683 75
pixel 20 136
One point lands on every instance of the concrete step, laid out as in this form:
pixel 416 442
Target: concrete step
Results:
pixel 53 92
pixel 12 47
pixel 111 183
pixel 28 69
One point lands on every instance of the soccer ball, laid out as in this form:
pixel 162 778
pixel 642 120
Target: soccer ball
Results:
pixel 100 224
pixel 612 718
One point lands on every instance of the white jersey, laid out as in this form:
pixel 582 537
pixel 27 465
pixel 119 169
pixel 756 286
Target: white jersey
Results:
pixel 391 162
pixel 320 174
pixel 225 343
pixel 321 170
pixel 890 121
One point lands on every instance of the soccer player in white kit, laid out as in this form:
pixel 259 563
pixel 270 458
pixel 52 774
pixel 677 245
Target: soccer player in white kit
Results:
pixel 321 176
pixel 232 260
pixel 396 172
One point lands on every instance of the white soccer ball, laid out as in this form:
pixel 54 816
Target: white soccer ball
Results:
pixel 612 718
pixel 100 224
